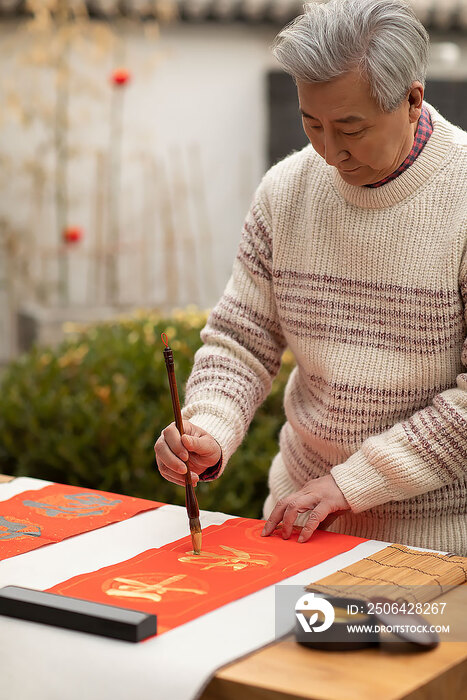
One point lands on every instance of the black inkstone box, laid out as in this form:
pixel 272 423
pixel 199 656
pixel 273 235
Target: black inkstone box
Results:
pixel 76 614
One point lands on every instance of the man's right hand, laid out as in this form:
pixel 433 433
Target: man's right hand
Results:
pixel 196 447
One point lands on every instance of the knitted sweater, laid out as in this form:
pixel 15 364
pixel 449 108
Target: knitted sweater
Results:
pixel 368 289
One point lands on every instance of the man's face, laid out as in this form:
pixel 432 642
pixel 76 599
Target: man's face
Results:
pixel 349 130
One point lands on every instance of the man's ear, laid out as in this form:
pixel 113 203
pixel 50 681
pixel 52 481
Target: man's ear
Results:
pixel 415 99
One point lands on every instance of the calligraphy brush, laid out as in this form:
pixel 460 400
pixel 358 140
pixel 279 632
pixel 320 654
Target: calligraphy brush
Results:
pixel 190 497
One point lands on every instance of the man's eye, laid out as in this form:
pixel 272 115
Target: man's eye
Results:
pixel 353 133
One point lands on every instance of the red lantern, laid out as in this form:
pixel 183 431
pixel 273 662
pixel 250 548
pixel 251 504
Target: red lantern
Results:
pixel 120 77
pixel 72 234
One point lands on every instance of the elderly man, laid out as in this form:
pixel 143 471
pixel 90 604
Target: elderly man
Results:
pixel 354 254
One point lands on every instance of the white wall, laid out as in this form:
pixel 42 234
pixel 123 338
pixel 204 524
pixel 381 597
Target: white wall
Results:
pixel 193 151
pixel 194 131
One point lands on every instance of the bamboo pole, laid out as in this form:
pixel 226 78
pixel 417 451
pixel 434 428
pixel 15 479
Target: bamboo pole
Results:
pixel 148 242
pixel 114 183
pixel 30 258
pixel 61 170
pixel 169 241
pixel 187 235
pixel 204 227
pixel 94 293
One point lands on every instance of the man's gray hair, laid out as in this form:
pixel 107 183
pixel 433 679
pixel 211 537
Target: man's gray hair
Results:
pixel 383 39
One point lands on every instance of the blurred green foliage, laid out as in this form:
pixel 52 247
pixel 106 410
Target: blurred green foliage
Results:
pixel 89 412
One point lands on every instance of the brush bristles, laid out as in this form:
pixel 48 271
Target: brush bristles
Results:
pixel 196 535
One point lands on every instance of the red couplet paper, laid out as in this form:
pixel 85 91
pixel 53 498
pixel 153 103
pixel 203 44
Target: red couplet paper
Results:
pixel 178 586
pixel 34 518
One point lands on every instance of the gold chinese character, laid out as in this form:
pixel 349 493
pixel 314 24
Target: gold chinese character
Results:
pixel 132 588
pixel 239 560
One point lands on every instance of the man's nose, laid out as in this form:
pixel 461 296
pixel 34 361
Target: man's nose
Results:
pixel 333 152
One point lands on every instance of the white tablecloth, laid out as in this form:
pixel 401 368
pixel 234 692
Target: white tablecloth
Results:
pixel 38 662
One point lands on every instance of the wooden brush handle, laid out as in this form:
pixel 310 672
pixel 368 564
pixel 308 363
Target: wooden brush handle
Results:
pixel 169 363
pixel 190 498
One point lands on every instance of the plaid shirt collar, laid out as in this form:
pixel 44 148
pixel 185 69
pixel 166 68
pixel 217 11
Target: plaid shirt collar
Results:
pixel 423 133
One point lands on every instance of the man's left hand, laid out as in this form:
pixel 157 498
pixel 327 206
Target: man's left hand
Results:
pixel 320 496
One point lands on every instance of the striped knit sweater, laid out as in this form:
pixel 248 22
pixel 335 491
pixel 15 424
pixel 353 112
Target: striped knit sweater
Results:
pixel 368 289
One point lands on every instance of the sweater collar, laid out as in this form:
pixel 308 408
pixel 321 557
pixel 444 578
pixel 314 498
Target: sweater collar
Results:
pixel 434 154
pixel 422 134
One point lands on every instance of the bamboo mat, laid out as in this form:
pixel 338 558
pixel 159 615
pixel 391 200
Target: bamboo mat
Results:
pixel 409 575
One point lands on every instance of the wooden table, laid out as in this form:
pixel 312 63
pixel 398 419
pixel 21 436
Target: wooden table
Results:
pixel 287 671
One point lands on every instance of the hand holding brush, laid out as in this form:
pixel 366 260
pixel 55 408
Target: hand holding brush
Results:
pixel 182 442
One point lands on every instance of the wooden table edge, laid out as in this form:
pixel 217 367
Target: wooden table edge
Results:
pixel 255 677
